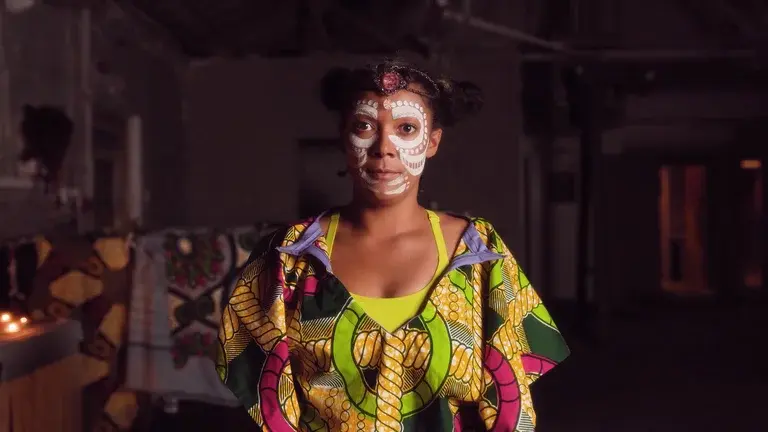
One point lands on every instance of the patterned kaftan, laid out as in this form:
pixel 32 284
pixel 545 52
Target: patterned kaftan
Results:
pixel 301 354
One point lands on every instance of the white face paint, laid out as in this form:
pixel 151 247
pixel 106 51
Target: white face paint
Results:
pixel 413 152
pixel 362 146
pixel 399 185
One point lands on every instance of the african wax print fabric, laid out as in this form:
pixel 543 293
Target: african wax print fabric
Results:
pixel 300 354
pixel 87 279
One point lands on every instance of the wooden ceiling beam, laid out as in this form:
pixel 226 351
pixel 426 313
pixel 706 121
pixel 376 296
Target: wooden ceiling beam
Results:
pixel 739 18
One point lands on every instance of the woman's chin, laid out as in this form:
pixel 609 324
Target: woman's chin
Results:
pixel 383 196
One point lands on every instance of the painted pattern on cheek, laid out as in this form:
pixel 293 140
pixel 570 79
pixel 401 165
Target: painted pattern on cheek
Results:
pixel 412 152
pixel 399 185
pixel 361 145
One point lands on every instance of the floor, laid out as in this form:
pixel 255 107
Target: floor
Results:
pixel 697 365
pixel 694 366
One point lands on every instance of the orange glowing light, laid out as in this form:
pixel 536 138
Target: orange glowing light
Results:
pixel 6 317
pixel 12 328
pixel 751 164
pixel 23 320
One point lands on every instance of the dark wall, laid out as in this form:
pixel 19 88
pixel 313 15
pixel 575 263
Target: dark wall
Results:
pixel 153 91
pixel 244 120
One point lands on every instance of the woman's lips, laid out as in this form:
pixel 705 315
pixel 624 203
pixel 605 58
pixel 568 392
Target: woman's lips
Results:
pixel 381 175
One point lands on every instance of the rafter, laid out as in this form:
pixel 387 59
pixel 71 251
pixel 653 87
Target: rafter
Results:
pixel 741 21
pixel 226 27
pixel 738 17
pixel 466 17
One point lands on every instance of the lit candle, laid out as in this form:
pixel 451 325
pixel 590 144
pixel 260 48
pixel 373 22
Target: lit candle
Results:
pixel 12 328
pixel 23 320
pixel 6 317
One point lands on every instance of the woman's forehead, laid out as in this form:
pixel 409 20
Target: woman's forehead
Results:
pixel 384 102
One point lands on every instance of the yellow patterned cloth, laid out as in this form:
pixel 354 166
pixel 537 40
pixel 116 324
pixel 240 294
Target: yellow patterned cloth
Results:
pixel 301 354
pixel 88 279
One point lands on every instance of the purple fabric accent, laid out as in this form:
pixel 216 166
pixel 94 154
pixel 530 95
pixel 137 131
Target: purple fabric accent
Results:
pixel 307 239
pixel 472 259
pixel 320 255
pixel 479 252
pixel 472 239
pixel 306 244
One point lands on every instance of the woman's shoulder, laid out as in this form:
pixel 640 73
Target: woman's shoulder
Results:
pixel 479 228
pixel 453 223
pixel 461 222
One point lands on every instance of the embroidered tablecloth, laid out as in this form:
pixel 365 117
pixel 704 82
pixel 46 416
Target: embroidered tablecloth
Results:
pixel 180 280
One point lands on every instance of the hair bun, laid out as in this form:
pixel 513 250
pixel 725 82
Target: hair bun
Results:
pixel 471 96
pixel 451 101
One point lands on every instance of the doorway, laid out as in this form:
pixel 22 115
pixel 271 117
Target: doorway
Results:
pixel 683 229
pixel 110 170
pixel 751 214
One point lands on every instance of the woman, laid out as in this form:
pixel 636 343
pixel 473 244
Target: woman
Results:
pixel 384 315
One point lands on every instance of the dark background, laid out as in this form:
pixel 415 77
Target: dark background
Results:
pixel 621 154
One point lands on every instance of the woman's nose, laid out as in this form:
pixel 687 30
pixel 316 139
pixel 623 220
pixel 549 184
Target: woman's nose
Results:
pixel 383 147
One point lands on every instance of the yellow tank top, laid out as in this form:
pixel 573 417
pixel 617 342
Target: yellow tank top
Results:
pixel 393 312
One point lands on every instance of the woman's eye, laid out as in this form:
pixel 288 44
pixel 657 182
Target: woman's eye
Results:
pixel 362 126
pixel 408 129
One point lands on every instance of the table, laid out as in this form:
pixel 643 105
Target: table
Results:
pixel 40 378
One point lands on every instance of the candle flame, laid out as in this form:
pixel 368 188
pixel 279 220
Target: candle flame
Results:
pixel 23 320
pixel 6 317
pixel 12 328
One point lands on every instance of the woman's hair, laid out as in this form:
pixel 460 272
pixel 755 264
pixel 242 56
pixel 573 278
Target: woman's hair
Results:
pixel 451 101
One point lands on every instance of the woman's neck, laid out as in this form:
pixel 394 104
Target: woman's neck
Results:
pixel 384 220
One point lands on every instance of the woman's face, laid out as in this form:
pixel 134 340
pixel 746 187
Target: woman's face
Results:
pixel 387 140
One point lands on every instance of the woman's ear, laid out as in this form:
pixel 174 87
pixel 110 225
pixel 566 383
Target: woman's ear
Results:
pixel 434 141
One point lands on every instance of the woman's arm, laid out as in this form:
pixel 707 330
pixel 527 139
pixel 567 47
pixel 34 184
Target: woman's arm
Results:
pixel 522 342
pixel 253 348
